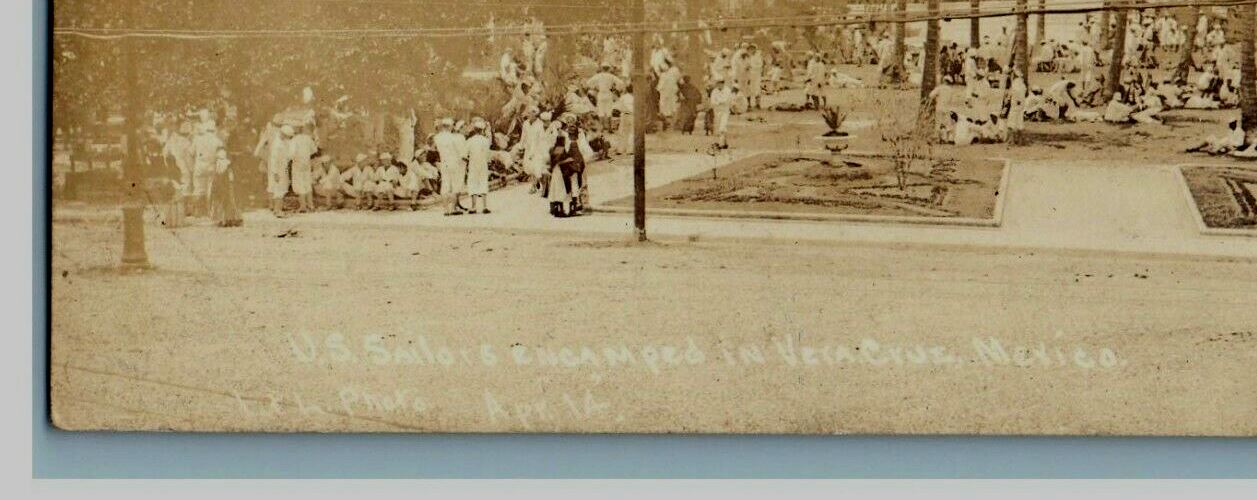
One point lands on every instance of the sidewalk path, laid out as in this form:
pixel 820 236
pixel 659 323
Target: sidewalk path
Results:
pixel 1071 205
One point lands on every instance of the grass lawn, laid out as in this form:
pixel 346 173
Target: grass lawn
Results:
pixel 1224 195
pixel 811 183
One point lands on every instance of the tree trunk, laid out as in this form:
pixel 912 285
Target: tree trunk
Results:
pixel 1117 61
pixel 1021 42
pixel 975 25
pixel 1104 28
pixel 1247 20
pixel 1185 62
pixel 897 72
pixel 929 70
pixel 1040 27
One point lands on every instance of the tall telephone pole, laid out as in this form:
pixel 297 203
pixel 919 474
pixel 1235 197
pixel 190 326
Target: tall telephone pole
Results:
pixel 640 63
pixel 133 253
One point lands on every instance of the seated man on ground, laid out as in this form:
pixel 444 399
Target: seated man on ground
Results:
pixel 409 187
pixel 353 180
pixel 1150 105
pixel 1118 110
pixel 328 183
pixel 991 130
pixel 1061 95
pixel 1216 145
pixel 387 177
pixel 1037 108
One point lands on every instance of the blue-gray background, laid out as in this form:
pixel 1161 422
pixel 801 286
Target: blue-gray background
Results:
pixel 131 455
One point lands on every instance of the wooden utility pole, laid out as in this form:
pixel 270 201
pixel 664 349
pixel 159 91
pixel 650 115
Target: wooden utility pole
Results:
pixel 640 93
pixel 134 254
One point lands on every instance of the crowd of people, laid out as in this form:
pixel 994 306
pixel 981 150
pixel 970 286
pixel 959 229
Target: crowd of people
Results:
pixel 549 130
pixel 997 99
pixel 193 143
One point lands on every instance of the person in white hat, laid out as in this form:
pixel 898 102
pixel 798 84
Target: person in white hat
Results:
pixel 410 184
pixel 479 151
pixel 330 185
pixel 275 141
pixel 386 184
pixel 721 101
pixel 536 154
pixel 353 178
pixel 303 150
pixel 452 148
pixel 424 166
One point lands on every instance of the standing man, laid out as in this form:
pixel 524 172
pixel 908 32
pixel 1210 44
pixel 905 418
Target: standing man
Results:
pixel 626 107
pixel 275 143
pixel 722 106
pixel 179 147
pixel 529 137
pixel 816 75
pixel 205 148
pixel 1087 65
pixel 303 149
pixel 605 84
pixel 452 147
pixel 478 153
pixel 691 99
pixel 669 88
pixel 755 76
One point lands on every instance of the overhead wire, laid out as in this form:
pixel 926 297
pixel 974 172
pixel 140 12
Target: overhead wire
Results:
pixel 673 26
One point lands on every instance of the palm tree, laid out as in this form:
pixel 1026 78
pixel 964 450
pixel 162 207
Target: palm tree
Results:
pixel 1021 43
pixel 1104 28
pixel 897 72
pixel 1185 63
pixel 929 70
pixel 1247 27
pixel 1116 63
pixel 975 24
pixel 1040 28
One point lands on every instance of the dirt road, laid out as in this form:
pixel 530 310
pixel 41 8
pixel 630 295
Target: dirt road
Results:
pixel 406 329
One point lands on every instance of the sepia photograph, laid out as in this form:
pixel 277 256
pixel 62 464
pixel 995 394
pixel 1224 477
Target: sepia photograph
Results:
pixel 799 217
